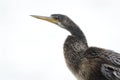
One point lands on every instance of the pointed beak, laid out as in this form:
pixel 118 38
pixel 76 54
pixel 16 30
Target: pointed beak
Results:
pixel 49 19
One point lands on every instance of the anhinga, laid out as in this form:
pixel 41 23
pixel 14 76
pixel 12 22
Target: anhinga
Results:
pixel 86 63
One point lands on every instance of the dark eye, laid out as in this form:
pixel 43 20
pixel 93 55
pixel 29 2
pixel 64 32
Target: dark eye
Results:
pixel 55 17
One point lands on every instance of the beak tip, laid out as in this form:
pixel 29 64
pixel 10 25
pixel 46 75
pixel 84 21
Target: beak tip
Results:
pixel 36 16
pixel 32 15
pixel 49 19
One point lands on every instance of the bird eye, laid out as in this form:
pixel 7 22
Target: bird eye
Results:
pixel 55 17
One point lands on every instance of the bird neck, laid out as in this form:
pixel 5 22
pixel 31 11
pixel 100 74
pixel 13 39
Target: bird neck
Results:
pixel 76 31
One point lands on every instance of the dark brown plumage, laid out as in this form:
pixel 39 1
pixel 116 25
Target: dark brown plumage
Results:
pixel 86 63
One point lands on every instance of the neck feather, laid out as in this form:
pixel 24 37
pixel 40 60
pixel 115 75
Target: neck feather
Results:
pixel 76 31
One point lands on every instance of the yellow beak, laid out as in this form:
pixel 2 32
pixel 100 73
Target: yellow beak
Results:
pixel 49 19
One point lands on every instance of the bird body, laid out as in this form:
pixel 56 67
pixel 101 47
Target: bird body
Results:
pixel 82 63
pixel 86 63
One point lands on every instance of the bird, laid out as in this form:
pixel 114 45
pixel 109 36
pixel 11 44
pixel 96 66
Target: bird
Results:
pixel 84 61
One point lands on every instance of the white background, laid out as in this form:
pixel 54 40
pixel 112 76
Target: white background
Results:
pixel 31 49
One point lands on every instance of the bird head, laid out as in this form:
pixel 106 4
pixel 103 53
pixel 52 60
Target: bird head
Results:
pixel 58 19
pixel 64 22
